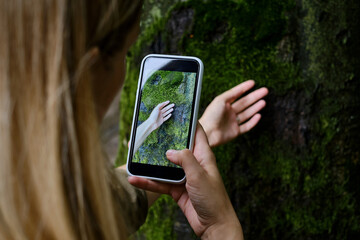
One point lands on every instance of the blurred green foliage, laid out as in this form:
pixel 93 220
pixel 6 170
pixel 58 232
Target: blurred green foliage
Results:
pixel 296 175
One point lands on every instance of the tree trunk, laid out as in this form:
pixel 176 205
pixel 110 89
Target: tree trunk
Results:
pixel 296 175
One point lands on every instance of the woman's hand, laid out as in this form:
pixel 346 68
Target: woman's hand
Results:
pixel 226 117
pixel 203 197
pixel 161 113
pixel 158 116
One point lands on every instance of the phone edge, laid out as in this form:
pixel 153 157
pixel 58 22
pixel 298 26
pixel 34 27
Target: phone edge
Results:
pixel 195 118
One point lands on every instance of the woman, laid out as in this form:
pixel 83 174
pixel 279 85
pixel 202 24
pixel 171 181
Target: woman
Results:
pixel 61 64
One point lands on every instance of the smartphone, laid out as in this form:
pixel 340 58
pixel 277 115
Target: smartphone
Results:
pixel 165 115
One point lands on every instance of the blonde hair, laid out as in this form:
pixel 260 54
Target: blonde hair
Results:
pixel 54 180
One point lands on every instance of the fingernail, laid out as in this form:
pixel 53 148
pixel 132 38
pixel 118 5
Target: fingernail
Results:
pixel 170 152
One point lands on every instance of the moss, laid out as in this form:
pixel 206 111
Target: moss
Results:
pixel 164 86
pixel 161 218
pixel 296 175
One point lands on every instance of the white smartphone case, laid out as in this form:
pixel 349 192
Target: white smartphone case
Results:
pixel 195 115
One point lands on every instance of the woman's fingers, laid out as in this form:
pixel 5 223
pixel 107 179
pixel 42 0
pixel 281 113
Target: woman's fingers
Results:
pixel 166 111
pixel 150 185
pixel 202 152
pixel 251 111
pixel 187 161
pixel 249 99
pixel 164 114
pixel 235 92
pixel 183 158
pixel 163 104
pixel 167 117
pixel 250 124
pixel 167 107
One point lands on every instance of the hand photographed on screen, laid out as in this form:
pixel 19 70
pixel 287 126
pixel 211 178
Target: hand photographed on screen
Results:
pixel 161 113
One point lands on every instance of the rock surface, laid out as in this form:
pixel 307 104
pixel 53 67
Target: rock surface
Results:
pixel 296 175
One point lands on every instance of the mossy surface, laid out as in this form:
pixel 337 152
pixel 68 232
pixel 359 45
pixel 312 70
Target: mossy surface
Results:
pixel 296 175
pixel 160 221
pixel 161 86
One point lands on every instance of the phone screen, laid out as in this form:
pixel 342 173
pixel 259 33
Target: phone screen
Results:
pixel 164 113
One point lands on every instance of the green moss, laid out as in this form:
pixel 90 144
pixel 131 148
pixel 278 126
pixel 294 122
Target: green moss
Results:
pixel 164 86
pixel 281 187
pixel 160 219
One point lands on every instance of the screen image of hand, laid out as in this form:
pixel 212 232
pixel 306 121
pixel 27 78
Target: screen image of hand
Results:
pixel 203 198
pixel 160 114
pixel 229 116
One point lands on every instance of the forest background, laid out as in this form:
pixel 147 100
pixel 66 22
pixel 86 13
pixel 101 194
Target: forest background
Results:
pixel 296 175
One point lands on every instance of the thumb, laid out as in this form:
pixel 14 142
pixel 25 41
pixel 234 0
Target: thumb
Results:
pixel 187 161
